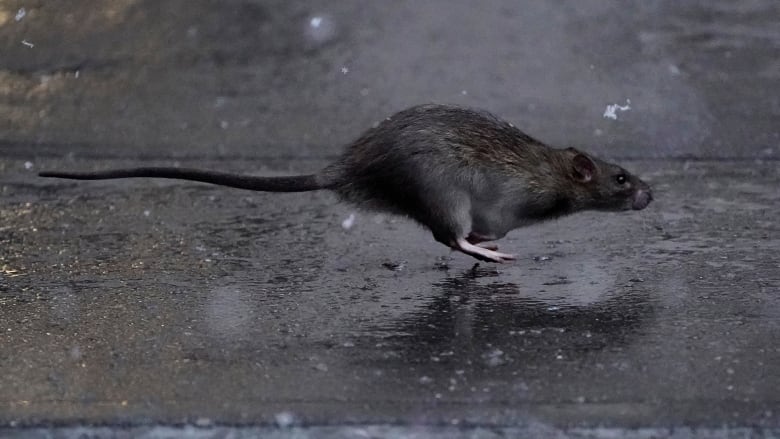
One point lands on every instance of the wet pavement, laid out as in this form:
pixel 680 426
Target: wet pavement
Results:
pixel 175 302
pixel 159 305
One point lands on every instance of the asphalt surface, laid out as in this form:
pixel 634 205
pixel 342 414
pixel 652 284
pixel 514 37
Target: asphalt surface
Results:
pixel 161 309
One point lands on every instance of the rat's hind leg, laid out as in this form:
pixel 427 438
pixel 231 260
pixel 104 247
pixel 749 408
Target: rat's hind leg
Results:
pixel 451 231
pixel 449 218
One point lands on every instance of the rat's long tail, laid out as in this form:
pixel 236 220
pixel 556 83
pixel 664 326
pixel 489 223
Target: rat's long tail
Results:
pixel 296 183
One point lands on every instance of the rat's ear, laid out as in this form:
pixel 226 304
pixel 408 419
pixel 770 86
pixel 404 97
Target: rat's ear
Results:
pixel 584 168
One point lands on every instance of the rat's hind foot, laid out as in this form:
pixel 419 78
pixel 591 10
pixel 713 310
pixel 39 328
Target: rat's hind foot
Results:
pixel 477 239
pixel 483 253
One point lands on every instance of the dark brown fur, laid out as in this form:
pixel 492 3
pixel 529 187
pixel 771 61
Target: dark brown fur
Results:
pixel 465 174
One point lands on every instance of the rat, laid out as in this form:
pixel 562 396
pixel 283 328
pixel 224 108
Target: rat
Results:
pixel 465 174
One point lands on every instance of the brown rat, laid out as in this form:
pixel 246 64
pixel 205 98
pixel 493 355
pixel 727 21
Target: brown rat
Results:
pixel 465 174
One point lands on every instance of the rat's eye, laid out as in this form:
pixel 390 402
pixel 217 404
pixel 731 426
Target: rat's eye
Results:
pixel 621 179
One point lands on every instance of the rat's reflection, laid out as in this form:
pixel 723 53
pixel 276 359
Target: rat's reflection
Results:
pixel 477 316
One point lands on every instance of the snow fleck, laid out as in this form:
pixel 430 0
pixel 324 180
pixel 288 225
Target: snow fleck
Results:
pixel 364 92
pixel 344 70
pixel 322 367
pixel 76 75
pixel 147 212
pixel 28 44
pixel 464 92
pixel 224 124
pixel 674 70
pixel 319 30
pixel 20 14
pixel 348 222
pixel 610 112
pixel 425 380
pixel 28 165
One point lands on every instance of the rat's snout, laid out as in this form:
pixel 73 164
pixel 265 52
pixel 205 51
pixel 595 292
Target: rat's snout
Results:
pixel 642 197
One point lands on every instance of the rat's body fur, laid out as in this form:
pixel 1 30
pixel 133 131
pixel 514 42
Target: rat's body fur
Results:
pixel 465 174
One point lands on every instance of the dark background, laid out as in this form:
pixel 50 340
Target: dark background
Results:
pixel 237 78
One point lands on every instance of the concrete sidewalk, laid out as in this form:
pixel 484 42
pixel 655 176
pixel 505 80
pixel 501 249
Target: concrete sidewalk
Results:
pixel 128 303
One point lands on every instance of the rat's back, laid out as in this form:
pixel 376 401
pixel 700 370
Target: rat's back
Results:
pixel 430 151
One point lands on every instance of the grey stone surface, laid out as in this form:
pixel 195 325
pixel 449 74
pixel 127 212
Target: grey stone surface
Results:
pixel 156 302
pixel 135 303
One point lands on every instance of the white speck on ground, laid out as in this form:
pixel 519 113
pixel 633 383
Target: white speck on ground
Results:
pixel 348 222
pixel 28 165
pixel 610 112
pixel 494 358
pixel 344 70
pixel 284 419
pixel 20 14
pixel 28 44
